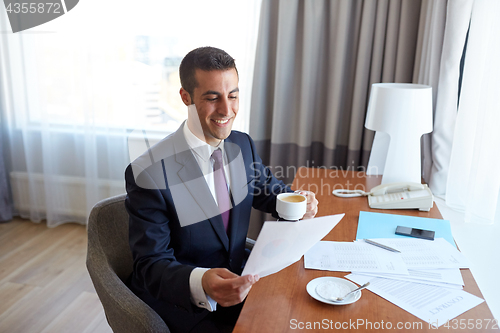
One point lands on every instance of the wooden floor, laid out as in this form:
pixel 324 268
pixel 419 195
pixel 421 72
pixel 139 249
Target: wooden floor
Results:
pixel 44 284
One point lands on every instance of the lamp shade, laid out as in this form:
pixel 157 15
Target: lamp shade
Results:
pixel 403 112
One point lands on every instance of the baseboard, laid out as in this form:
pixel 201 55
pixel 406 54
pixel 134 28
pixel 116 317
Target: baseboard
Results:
pixel 71 196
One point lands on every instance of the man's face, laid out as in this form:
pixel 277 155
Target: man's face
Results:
pixel 217 101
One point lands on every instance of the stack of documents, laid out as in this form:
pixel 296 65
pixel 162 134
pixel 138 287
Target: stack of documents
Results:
pixel 430 262
pixel 423 278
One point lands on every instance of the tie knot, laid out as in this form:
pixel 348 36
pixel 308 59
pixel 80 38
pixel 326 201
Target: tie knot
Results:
pixel 217 156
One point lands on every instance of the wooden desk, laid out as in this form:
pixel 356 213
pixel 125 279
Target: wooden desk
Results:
pixel 278 299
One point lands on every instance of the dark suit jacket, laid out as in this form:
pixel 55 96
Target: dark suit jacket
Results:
pixel 175 225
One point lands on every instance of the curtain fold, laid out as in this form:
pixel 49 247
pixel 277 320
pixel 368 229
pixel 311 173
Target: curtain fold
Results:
pixel 473 183
pixel 427 71
pixel 6 204
pixel 459 154
pixel 439 66
pixel 315 63
pixel 6 210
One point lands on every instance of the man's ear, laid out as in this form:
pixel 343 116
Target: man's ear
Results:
pixel 186 97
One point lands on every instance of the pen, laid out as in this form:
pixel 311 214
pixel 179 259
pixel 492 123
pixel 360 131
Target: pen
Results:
pixel 381 245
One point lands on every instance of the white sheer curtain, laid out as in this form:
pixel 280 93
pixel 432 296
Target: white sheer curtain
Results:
pixel 451 26
pixel 73 91
pixel 473 183
pixel 68 147
pixel 461 155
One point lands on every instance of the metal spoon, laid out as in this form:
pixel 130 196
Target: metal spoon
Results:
pixel 338 299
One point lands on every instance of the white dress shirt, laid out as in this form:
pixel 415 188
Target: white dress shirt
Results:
pixel 202 153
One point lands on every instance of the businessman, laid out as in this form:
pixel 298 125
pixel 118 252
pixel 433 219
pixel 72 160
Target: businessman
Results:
pixel 189 199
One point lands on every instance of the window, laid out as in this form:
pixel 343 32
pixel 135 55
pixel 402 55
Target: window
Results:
pixel 117 66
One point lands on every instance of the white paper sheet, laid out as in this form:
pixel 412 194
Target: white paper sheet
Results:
pixel 280 244
pixel 426 254
pixel 408 278
pixel 434 305
pixel 352 257
pixel 450 277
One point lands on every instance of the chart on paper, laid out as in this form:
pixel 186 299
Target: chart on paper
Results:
pixel 351 257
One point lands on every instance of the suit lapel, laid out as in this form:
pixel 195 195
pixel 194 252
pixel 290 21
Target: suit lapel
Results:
pixel 193 179
pixel 238 185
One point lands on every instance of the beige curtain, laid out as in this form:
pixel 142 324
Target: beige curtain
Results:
pixel 427 71
pixel 315 63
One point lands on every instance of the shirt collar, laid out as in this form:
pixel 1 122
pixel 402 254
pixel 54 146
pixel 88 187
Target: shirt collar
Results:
pixel 200 147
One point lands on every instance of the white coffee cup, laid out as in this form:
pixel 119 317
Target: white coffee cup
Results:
pixel 291 206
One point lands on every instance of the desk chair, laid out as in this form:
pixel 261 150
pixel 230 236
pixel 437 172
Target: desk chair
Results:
pixel 109 262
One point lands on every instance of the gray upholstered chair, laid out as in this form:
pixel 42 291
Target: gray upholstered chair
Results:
pixel 109 262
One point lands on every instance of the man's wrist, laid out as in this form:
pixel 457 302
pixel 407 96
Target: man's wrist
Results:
pixel 198 295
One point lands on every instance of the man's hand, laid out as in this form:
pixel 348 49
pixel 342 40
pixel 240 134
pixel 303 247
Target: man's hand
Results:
pixel 225 287
pixel 312 204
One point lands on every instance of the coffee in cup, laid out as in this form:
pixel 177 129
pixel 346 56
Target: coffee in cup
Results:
pixel 291 206
pixel 294 198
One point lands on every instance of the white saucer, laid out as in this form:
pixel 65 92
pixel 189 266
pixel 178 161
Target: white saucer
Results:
pixel 329 286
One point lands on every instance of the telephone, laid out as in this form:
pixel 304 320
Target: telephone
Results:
pixel 395 196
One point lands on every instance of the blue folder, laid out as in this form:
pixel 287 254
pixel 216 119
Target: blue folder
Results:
pixel 379 225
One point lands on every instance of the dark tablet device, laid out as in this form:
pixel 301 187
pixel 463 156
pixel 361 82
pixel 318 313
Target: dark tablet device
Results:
pixel 413 232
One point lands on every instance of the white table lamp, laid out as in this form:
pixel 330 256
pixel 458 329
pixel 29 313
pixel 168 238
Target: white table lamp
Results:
pixel 400 113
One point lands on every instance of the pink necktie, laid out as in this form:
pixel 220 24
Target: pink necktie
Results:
pixel 221 187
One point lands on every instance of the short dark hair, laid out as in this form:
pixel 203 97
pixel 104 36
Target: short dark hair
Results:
pixel 205 58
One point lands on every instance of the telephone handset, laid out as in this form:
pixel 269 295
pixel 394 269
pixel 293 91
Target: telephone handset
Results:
pixel 396 187
pixel 395 196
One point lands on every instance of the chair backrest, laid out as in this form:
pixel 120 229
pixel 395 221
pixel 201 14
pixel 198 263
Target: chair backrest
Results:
pixel 109 262
pixel 108 232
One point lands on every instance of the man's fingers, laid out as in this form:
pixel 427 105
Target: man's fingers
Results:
pixel 242 291
pixel 224 273
pixel 312 204
pixel 244 281
pixel 225 287
pixel 310 196
pixel 307 194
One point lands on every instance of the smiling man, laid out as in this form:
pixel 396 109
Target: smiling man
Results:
pixel 189 200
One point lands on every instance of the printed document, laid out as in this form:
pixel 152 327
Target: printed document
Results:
pixel 448 278
pixel 353 257
pixel 281 244
pixel 434 305
pixel 426 254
